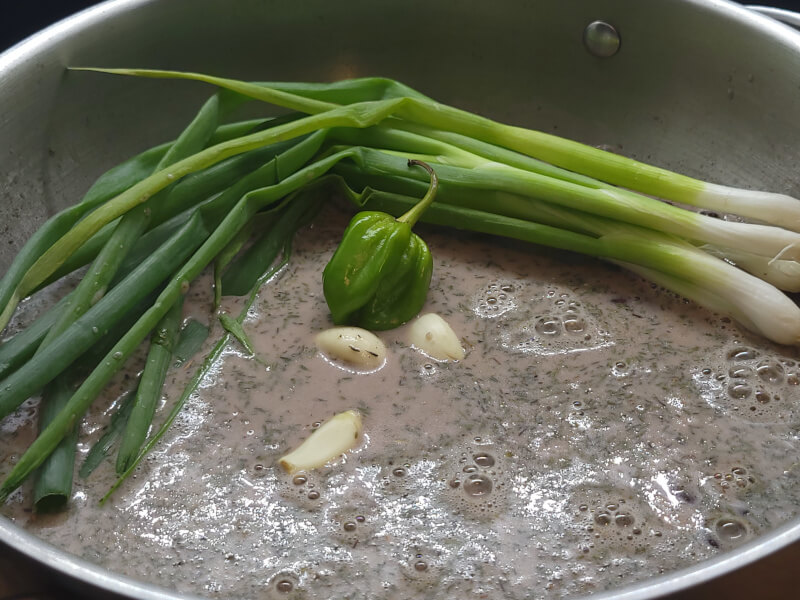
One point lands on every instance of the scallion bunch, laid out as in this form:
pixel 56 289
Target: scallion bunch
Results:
pixel 231 196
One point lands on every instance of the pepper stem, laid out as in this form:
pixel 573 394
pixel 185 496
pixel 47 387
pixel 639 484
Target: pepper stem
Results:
pixel 416 211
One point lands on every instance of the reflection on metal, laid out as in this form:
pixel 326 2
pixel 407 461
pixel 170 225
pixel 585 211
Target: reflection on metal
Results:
pixel 601 39
pixel 779 14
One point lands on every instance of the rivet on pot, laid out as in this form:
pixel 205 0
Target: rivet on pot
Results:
pixel 601 39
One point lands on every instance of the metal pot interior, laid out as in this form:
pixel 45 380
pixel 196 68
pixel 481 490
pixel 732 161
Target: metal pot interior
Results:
pixel 704 88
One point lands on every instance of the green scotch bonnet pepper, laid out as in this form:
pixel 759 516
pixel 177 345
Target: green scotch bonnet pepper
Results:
pixel 379 276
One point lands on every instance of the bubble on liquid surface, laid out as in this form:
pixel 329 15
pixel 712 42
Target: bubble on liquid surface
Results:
pixel 612 520
pixel 574 323
pixel 749 384
pixel 474 479
pixel 548 326
pixel 477 486
pixel 483 459
pixel 602 518
pixel 730 529
pixel 623 520
pixel 739 390
pixel 495 299
pixel 284 585
pixel 770 371
pixel 302 490
pixel 735 481
pixel 560 325
pixel 347 517
pixel 742 354
pixel 426 565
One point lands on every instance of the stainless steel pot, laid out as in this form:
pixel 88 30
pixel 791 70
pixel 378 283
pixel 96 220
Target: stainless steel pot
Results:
pixel 705 87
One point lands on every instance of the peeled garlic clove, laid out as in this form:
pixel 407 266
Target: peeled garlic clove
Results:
pixel 334 437
pixel 434 336
pixel 353 346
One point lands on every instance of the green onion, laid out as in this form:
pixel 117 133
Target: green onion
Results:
pixel 15 351
pixel 302 210
pixel 100 450
pixel 109 185
pixel 159 359
pixel 225 257
pixel 356 115
pixel 234 195
pixel 179 197
pixel 190 340
pixel 54 478
pixel 783 274
pixel 235 328
pixel 14 393
pixel 19 348
pixel 93 286
pixel 295 155
pixel 91 327
pixel 756 304
pixel 778 209
pixel 615 204
pixel 245 272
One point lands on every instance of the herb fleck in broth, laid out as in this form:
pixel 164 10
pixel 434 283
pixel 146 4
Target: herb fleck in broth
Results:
pixel 599 431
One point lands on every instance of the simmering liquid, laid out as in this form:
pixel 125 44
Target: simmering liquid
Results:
pixel 599 431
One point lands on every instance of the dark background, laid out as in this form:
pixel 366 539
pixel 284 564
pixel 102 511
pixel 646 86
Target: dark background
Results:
pixel 21 18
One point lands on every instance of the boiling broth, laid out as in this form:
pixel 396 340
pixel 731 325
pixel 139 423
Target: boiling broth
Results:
pixel 599 431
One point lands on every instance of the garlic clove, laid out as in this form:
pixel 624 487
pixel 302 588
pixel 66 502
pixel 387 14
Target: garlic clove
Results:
pixel 335 436
pixel 434 336
pixel 352 346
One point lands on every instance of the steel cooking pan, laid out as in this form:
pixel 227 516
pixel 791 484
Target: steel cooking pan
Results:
pixel 705 87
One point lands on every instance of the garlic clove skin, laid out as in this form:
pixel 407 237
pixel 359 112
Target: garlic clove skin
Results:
pixel 352 346
pixel 334 437
pixel 434 336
